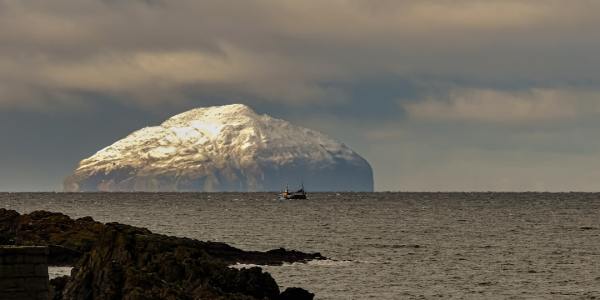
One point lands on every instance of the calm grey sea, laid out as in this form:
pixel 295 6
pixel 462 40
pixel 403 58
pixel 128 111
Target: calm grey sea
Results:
pixel 382 245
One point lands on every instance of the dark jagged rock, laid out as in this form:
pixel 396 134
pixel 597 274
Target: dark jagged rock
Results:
pixel 62 256
pixel 129 263
pixel 9 220
pixel 67 238
pixel 294 293
pixel 57 285
pixel 117 261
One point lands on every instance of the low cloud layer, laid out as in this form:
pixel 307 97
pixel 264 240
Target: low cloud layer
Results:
pixel 406 76
pixel 507 107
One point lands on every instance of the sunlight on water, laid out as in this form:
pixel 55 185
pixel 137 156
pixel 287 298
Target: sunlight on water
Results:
pixel 54 272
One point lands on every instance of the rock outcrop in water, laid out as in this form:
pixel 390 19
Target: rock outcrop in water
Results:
pixel 222 148
pixel 117 261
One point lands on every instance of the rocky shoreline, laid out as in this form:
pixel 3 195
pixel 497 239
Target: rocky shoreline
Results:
pixel 118 261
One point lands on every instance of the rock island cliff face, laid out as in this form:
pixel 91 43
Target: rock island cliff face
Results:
pixel 222 148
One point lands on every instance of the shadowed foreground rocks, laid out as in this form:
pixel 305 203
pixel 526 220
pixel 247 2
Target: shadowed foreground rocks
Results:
pixel 117 261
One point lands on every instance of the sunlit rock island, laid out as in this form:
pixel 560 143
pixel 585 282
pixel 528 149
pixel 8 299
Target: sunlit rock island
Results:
pixel 222 148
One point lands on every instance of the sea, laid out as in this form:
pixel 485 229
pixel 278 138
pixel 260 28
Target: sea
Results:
pixel 381 245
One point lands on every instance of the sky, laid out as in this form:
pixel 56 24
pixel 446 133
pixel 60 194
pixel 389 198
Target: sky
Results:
pixel 443 95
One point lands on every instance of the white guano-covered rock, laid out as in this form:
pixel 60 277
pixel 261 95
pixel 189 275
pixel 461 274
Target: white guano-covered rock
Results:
pixel 223 148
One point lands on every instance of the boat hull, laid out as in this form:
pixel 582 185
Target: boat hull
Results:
pixel 296 197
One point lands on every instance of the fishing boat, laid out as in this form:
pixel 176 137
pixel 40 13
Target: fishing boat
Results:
pixel 299 194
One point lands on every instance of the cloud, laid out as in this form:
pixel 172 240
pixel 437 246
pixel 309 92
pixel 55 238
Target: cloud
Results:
pixel 148 78
pixel 497 106
pixel 465 69
pixel 152 52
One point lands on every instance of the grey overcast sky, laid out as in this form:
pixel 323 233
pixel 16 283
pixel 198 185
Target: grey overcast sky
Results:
pixel 436 95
